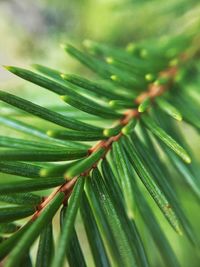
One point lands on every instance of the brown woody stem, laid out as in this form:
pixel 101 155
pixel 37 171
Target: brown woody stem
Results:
pixel 153 91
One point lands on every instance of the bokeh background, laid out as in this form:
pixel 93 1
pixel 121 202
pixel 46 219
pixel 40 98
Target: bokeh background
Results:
pixel 32 31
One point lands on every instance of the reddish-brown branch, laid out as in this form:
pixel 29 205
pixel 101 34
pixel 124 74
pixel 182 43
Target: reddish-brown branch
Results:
pixel 153 91
pixel 65 188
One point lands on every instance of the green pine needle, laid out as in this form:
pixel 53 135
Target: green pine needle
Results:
pixel 120 162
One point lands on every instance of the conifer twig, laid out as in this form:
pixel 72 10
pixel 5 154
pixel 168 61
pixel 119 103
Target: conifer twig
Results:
pixel 154 90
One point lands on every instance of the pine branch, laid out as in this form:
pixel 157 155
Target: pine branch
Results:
pixel 113 169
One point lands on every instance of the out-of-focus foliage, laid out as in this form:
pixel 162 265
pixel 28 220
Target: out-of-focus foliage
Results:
pixel 41 24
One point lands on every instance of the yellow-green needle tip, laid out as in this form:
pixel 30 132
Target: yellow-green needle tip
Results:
pixel 50 133
pixel 114 77
pixel 109 60
pixel 9 68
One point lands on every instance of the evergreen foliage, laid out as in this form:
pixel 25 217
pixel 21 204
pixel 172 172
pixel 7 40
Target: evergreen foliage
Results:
pixel 102 155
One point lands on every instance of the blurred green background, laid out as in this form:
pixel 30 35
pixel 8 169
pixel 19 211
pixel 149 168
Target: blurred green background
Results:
pixel 31 32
